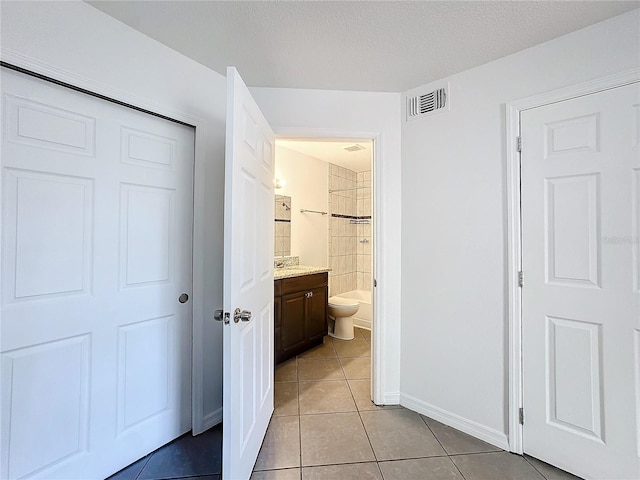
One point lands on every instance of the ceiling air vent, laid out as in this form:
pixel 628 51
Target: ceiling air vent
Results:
pixel 354 148
pixel 428 103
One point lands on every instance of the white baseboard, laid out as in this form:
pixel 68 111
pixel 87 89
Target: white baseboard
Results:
pixel 212 419
pixel 362 323
pixel 475 429
pixel 391 398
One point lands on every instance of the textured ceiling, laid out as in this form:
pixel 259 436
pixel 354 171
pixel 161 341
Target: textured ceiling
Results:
pixel 354 45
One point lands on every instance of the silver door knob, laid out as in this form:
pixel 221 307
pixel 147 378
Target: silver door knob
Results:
pixel 244 315
pixel 184 298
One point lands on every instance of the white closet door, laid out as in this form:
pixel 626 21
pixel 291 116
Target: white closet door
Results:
pixel 96 249
pixel 580 300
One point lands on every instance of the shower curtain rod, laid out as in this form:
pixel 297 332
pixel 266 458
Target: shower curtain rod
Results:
pixel 302 210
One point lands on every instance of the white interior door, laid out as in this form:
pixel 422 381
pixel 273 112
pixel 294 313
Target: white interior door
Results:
pixel 580 300
pixel 248 281
pixel 96 249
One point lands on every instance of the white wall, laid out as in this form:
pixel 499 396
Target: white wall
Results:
pixel 307 183
pixel 454 297
pixel 84 45
pixel 331 114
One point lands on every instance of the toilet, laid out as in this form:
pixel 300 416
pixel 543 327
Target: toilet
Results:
pixel 341 311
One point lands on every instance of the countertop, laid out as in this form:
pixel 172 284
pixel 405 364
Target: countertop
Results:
pixel 297 271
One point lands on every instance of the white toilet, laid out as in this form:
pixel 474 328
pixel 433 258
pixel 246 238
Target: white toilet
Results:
pixel 341 311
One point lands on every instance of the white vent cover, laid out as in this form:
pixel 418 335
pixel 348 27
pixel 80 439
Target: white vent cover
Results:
pixel 428 103
pixel 354 148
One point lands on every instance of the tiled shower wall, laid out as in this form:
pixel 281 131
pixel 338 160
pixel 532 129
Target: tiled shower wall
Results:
pixel 349 259
pixel 363 259
pixel 282 230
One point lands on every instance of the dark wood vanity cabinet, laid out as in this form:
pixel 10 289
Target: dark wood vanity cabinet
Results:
pixel 300 314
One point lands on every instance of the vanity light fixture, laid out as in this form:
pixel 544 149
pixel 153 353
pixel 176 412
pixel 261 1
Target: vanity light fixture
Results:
pixel 279 182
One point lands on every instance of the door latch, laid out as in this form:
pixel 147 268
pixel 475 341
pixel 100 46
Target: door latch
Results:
pixel 220 316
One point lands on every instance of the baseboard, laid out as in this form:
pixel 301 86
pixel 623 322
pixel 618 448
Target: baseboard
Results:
pixel 212 419
pixel 475 429
pixel 391 398
pixel 362 323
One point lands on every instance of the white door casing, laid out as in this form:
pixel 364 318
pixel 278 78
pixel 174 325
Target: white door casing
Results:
pixel 580 307
pixel 97 213
pixel 248 280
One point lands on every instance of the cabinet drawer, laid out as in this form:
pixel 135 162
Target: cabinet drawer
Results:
pixel 304 282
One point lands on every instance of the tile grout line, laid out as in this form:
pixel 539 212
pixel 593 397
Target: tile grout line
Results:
pixel 464 454
pixel 361 421
pixel 367 434
pixel 390 460
pixel 144 466
pixel 299 417
pixel 442 446
pixel 345 379
pixel 300 410
pixel 357 409
pixel 534 467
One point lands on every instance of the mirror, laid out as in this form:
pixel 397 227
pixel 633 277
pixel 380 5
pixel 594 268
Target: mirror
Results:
pixel 282 243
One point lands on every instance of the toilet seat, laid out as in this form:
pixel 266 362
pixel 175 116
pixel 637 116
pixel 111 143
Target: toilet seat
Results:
pixel 343 302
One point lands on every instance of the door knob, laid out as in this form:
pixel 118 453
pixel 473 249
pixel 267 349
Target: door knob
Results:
pixel 244 315
pixel 184 298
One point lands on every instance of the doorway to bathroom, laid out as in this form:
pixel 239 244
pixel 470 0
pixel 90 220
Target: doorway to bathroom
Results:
pixel 324 218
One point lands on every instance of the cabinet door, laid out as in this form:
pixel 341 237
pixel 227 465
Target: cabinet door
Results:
pixel 277 319
pixel 317 314
pixel 292 329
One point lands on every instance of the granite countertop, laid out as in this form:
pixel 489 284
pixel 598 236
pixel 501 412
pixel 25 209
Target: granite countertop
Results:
pixel 297 271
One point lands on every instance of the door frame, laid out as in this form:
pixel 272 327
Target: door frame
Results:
pixel 514 231
pixel 377 339
pixel 202 131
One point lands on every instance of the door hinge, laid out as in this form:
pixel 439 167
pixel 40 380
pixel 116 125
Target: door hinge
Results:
pixel 521 416
pixel 519 143
pixel 520 279
pixel 375 282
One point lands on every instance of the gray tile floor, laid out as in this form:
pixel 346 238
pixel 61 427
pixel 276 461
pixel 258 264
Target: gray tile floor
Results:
pixel 325 427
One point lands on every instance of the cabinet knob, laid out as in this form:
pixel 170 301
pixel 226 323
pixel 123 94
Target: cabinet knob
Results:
pixel 308 294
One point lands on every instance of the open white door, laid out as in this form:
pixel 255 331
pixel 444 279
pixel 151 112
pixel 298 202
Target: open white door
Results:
pixel 248 281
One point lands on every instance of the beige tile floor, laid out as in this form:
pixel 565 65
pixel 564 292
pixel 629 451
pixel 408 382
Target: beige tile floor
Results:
pixel 325 426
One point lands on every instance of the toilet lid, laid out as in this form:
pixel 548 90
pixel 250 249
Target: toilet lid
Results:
pixel 344 302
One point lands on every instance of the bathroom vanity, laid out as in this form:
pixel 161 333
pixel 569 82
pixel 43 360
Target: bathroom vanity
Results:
pixel 300 304
pixel 301 293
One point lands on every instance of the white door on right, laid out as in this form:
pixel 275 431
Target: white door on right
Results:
pixel 580 300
